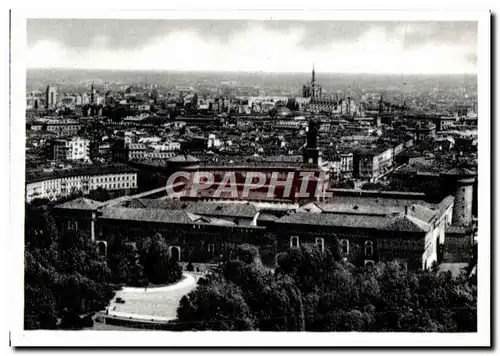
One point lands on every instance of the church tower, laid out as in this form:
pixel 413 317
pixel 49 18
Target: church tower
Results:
pixel 311 152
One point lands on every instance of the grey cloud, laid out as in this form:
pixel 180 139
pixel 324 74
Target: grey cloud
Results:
pixel 457 32
pixel 130 34
pixel 124 34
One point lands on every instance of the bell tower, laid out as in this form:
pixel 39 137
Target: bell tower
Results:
pixel 311 152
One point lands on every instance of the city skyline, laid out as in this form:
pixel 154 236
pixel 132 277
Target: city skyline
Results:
pixel 375 47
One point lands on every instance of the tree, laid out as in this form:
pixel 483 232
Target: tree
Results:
pixel 39 307
pixel 281 307
pixel 64 276
pixel 311 290
pixel 159 267
pixel 136 276
pixel 248 253
pixel 215 306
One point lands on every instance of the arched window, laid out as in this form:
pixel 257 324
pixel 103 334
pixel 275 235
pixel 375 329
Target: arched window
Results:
pixel 369 264
pixel 294 241
pixel 175 253
pixel 344 246
pixel 101 248
pixel 211 248
pixel 368 248
pixel 320 242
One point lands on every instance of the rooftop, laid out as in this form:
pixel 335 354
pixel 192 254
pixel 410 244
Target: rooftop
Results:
pixel 394 222
pixel 38 176
pixel 164 216
pixel 200 208
pixel 183 158
pixel 80 204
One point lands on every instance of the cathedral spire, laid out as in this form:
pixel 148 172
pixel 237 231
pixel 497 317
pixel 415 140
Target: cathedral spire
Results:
pixel 313 78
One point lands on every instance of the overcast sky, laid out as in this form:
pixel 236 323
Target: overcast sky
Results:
pixel 269 46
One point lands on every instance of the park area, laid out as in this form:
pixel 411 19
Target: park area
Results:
pixel 152 303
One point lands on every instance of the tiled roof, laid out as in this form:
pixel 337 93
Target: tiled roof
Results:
pixel 372 206
pixel 267 217
pixel 340 220
pixel 184 158
pixel 146 215
pixel 80 204
pixel 399 222
pixel 403 222
pixel 161 216
pixel 457 171
pixel 200 208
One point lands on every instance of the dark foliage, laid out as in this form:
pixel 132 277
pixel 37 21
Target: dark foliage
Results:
pixel 312 290
pixel 158 266
pixel 64 277
pixel 215 306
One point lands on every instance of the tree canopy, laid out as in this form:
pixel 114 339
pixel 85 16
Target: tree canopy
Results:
pixel 314 290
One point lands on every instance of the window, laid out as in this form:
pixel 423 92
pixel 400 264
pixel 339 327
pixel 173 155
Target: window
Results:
pixel 368 248
pixel 211 248
pixel 344 246
pixel 369 264
pixel 320 242
pixel 72 225
pixel 294 241
pixel 101 248
pixel 175 253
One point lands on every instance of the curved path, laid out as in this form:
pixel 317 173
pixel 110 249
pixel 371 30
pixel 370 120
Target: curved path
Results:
pixel 158 304
pixel 187 281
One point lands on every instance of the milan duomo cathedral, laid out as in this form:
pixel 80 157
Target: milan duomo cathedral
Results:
pixel 332 104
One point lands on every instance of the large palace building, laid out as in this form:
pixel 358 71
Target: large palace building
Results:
pixel 364 227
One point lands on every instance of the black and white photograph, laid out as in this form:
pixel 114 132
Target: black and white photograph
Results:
pixel 306 178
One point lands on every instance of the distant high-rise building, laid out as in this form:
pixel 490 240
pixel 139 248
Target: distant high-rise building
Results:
pixel 50 97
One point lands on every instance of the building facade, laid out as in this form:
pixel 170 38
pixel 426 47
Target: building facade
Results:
pixel 57 184
pixel 375 229
pixel 370 164
pixel 76 148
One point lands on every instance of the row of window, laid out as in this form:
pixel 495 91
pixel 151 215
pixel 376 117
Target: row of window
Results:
pixel 344 245
pixel 113 179
pixel 116 185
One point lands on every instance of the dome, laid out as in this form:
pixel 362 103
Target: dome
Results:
pixel 283 111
